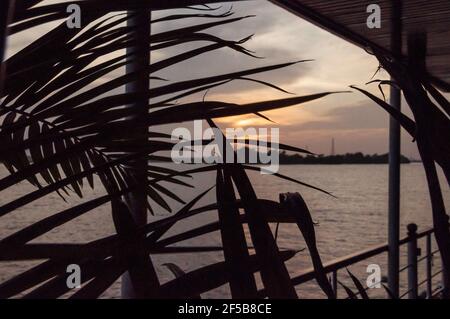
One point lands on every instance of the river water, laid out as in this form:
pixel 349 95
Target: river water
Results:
pixel 356 219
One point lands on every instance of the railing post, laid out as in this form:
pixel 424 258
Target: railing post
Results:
pixel 429 259
pixel 412 261
pixel 445 274
pixel 394 159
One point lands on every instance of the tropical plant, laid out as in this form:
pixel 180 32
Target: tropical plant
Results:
pixel 430 127
pixel 362 292
pixel 61 128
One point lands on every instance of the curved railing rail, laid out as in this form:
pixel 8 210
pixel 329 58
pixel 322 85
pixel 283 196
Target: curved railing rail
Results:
pixel 332 267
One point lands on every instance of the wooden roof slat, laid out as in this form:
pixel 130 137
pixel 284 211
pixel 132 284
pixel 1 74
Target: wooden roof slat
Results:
pixel 347 19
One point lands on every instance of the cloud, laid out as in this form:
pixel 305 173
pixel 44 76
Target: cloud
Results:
pixel 279 37
pixel 360 127
pixel 361 116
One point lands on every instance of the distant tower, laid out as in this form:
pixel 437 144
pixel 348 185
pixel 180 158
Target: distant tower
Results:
pixel 332 153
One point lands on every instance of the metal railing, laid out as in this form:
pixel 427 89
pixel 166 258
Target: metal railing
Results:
pixel 413 253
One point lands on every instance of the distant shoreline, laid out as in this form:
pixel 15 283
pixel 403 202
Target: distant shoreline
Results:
pixel 348 158
pixel 297 159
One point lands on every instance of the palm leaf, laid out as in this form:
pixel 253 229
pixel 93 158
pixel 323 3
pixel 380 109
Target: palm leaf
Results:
pixel 61 126
pixel 274 273
pixel 242 282
pixel 358 285
pixel 295 204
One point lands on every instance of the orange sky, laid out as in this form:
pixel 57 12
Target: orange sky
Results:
pixel 355 122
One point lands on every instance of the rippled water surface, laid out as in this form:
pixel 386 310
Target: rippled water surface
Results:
pixel 354 220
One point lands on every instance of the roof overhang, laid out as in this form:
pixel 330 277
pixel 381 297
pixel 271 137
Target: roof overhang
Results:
pixel 348 20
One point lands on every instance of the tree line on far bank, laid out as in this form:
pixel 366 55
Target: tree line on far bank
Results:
pixel 348 158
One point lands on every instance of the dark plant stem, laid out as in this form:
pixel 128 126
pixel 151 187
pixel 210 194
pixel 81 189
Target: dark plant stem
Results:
pixel 431 134
pixel 425 116
pixel 440 218
pixel 426 120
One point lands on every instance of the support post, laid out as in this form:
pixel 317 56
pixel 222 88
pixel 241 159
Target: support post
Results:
pixel 429 259
pixel 140 58
pixel 412 262
pixel 394 160
pixel 6 12
pixel 445 274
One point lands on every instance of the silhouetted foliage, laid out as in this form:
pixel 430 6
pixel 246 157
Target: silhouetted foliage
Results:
pixel 61 126
pixel 430 128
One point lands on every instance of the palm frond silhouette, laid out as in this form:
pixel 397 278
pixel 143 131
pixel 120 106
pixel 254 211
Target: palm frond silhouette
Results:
pixel 64 130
